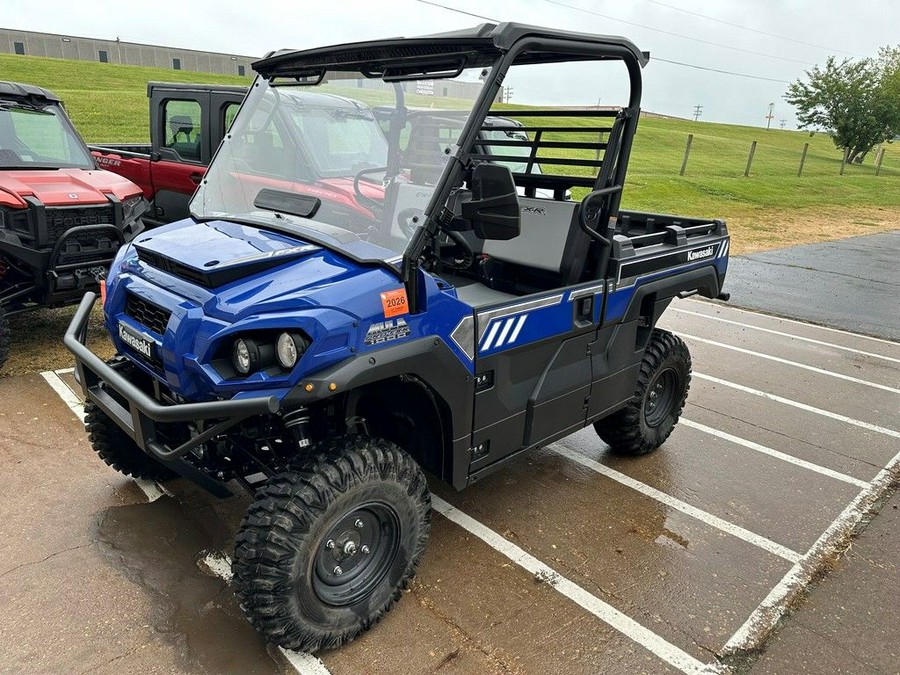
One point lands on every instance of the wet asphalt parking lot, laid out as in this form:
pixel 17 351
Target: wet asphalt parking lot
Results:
pixel 570 560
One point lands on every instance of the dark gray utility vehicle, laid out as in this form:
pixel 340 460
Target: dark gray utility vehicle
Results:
pixel 443 312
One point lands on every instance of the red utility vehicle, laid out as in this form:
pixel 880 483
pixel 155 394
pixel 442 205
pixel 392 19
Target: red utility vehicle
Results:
pixel 61 218
pixel 187 123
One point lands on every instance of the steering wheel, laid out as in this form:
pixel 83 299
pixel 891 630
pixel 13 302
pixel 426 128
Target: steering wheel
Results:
pixel 408 220
pixel 360 197
pixel 468 255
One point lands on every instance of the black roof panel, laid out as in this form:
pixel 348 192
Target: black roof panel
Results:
pixel 478 46
pixel 17 90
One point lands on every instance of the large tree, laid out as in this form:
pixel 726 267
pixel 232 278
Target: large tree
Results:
pixel 856 101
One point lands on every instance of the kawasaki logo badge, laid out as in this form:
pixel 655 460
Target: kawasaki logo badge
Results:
pixel 136 341
pixel 385 331
pixel 537 210
pixel 700 253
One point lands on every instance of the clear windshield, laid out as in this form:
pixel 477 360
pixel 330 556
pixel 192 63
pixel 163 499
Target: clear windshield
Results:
pixel 39 138
pixel 365 155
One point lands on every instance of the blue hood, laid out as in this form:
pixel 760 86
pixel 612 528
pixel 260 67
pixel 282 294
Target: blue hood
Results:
pixel 215 253
pixel 234 270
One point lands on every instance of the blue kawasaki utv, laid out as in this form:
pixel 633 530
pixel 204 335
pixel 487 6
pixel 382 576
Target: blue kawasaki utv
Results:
pixel 353 303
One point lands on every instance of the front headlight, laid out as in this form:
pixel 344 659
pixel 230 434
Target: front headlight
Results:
pixel 245 356
pixel 289 349
pixel 272 352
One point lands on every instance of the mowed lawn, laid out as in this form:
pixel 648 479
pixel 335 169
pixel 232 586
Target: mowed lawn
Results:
pixel 772 208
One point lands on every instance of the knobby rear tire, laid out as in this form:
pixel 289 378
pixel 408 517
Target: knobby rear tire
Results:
pixel 665 373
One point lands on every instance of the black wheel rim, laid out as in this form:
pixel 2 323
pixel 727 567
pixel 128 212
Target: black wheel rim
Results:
pixel 660 397
pixel 356 554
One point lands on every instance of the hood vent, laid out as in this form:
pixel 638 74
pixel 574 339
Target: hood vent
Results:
pixel 225 273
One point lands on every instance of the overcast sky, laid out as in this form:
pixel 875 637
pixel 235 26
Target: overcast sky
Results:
pixel 813 28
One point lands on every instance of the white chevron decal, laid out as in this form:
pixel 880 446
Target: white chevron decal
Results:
pixel 508 329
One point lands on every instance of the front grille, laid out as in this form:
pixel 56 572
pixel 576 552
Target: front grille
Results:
pixel 148 315
pixel 61 219
pixel 89 247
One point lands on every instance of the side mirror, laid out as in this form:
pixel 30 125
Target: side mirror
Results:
pixel 494 207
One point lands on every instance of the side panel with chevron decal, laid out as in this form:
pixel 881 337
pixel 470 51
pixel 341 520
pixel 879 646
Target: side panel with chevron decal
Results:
pixel 533 371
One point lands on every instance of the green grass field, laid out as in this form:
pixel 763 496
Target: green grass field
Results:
pixel 106 102
pixel 772 207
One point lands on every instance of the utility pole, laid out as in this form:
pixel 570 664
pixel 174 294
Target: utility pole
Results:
pixel 770 116
pixel 506 95
pixel 698 110
pixel 782 123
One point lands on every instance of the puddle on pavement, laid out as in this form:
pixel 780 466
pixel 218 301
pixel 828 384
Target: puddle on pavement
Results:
pixel 157 546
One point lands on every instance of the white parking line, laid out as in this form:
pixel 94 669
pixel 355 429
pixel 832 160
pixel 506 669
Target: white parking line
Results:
pixel 71 399
pixel 803 323
pixel 795 364
pixel 219 564
pixel 825 471
pixel 150 488
pixel 64 371
pixel 763 619
pixel 797 404
pixel 788 335
pixel 304 663
pixel 65 393
pixel 701 515
pixel 603 611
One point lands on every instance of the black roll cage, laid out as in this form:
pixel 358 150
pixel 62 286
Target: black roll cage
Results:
pixel 499 46
pixel 608 186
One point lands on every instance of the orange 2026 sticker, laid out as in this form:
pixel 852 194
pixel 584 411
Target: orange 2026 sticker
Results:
pixel 394 303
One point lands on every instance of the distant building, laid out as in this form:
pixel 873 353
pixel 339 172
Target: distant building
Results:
pixel 30 43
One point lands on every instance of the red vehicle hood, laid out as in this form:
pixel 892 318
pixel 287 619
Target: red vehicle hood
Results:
pixel 345 187
pixel 338 190
pixel 62 187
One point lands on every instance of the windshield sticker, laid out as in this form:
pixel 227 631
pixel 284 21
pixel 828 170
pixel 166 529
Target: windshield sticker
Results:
pixel 394 303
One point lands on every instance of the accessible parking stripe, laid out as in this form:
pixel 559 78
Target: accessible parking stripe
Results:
pixel 603 611
pixel 701 515
pixel 795 364
pixel 788 335
pixel 797 404
pixel 758 447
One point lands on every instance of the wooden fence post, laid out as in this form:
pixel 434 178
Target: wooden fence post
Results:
pixel 803 159
pixel 750 159
pixel 878 161
pixel 844 159
pixel 687 151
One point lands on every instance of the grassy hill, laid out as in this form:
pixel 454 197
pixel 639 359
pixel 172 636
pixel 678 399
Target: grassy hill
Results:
pixel 773 207
pixel 106 102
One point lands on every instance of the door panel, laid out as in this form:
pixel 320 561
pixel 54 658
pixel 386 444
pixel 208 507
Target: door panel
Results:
pixel 533 370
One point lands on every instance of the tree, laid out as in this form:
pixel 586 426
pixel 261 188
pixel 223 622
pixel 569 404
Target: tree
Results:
pixel 856 102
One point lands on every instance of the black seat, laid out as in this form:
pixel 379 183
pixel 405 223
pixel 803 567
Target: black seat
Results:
pixel 188 148
pixel 181 124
